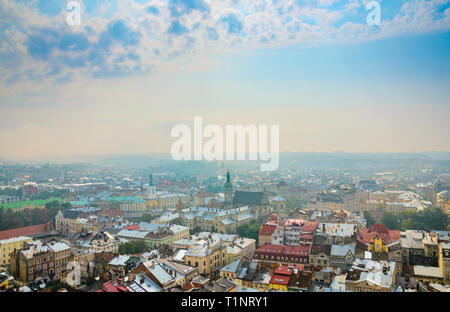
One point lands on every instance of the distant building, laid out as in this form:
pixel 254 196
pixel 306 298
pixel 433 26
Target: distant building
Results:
pixel 216 219
pixel 132 207
pixel 4 199
pixel 334 199
pixel 161 200
pixel 69 223
pixel 202 198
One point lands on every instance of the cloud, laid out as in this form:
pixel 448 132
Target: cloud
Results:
pixel 234 24
pixel 181 7
pixel 176 28
pixel 152 9
pixel 130 37
pixel 120 32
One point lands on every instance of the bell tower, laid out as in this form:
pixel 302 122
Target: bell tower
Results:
pixel 228 200
pixel 151 190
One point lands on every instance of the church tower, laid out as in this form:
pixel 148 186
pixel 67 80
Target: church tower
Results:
pixel 228 203
pixel 151 190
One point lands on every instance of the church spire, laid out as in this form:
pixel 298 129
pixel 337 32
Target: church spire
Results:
pixel 228 200
pixel 228 183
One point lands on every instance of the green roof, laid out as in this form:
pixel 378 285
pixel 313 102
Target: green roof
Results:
pixel 19 205
pixel 79 203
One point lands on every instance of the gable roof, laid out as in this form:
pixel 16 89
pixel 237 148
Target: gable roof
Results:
pixel 232 267
pixel 338 250
pixel 378 230
pixel 158 272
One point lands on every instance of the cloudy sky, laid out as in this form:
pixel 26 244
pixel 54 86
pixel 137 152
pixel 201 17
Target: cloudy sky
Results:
pixel 133 69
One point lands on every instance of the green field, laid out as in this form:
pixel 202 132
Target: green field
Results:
pixel 19 205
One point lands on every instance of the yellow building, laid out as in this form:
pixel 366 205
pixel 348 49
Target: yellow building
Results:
pixel 207 258
pixel 278 287
pixel 163 235
pixel 7 247
pixel 179 232
pixel 380 241
pixel 151 203
pixel 377 245
pixel 230 271
pixel 70 226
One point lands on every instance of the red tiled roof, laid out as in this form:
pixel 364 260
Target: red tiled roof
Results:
pixel 280 279
pixel 284 270
pixel 310 226
pixel 26 231
pixel 114 287
pixel 132 227
pixel 267 229
pixel 187 286
pixel 299 250
pixel 378 230
pixel 297 222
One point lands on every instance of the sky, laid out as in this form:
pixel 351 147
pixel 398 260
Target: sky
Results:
pixel 133 69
